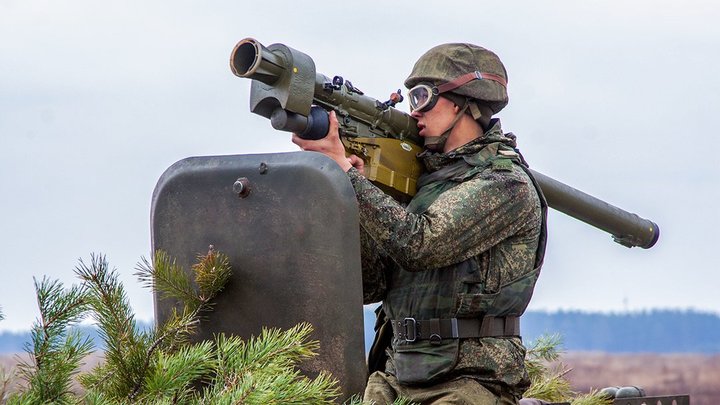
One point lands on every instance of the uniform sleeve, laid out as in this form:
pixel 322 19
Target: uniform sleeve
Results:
pixel 375 263
pixel 462 222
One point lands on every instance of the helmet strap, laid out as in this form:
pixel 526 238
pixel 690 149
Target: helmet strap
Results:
pixel 437 143
pixel 475 111
pixel 480 113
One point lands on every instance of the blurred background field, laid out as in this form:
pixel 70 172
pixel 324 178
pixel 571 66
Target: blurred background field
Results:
pixel 659 374
pixel 666 352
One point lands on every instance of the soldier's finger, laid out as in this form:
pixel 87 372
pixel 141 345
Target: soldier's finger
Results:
pixel 333 128
pixel 299 141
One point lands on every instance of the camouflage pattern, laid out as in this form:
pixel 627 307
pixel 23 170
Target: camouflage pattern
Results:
pixel 383 388
pixel 374 269
pixel 447 62
pixel 465 246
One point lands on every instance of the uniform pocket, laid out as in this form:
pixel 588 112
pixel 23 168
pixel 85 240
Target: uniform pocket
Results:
pixel 422 362
pixel 473 305
pixel 511 299
pixel 471 293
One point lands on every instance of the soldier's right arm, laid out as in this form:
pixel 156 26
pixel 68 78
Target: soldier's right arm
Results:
pixel 375 266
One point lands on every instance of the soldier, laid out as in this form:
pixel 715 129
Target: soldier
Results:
pixel 456 267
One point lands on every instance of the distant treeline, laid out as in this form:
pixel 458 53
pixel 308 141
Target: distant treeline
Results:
pixel 656 331
pixel 15 342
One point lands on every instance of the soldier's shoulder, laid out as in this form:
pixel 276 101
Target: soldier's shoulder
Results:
pixel 503 170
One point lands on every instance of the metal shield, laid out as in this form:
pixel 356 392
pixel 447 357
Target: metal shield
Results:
pixel 289 224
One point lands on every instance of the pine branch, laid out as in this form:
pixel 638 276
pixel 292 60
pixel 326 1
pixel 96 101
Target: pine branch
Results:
pixel 544 350
pixel 592 398
pixel 58 309
pixel 125 348
pixel 212 273
pixel 546 347
pixel 97 380
pixel 55 353
pixel 174 373
pixel 272 387
pixel 5 379
pixel 175 332
pixel 551 387
pixel 275 348
pixel 166 277
pixel 550 384
pixel 178 331
pixel 262 370
pixel 161 366
pixel 95 397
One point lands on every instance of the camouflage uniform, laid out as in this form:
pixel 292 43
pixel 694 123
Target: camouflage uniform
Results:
pixel 469 244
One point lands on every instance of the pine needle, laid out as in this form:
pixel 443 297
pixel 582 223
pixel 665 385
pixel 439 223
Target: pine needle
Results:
pixel 592 398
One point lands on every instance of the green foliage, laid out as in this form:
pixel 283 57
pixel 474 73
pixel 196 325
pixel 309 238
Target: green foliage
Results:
pixel 547 375
pixel 591 398
pixel 212 272
pixel 55 352
pixel 261 370
pixel 541 352
pixel 547 383
pixel 161 366
pixel 5 379
pixel 4 376
pixel 127 350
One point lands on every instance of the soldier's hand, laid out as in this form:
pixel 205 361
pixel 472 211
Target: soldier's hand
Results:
pixel 330 145
pixel 357 163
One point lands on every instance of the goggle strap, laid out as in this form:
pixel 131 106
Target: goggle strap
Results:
pixel 468 77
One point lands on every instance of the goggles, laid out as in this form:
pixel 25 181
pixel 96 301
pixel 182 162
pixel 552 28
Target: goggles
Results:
pixel 424 96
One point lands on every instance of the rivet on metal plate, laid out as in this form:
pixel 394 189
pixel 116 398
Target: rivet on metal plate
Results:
pixel 241 187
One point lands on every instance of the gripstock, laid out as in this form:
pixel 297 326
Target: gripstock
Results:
pixel 287 90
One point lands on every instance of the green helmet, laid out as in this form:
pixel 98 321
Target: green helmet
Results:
pixel 447 62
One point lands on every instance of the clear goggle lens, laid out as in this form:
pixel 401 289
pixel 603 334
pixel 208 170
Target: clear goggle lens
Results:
pixel 422 97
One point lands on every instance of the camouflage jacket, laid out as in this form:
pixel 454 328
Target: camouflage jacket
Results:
pixel 469 244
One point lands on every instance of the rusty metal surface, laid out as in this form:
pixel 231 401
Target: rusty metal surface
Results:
pixel 662 400
pixel 289 224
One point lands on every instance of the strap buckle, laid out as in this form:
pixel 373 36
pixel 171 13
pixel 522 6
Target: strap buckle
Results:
pixel 413 325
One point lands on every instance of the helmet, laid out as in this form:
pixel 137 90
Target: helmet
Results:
pixel 448 62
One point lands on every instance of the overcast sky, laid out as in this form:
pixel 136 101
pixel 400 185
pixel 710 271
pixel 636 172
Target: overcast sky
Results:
pixel 615 98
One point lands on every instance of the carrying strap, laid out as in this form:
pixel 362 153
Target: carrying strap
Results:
pixel 435 330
